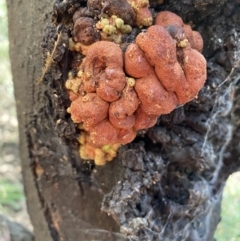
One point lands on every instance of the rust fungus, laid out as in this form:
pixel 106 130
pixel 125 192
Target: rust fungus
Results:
pixel 115 94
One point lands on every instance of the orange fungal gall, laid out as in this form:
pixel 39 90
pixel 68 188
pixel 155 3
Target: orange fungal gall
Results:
pixel 114 93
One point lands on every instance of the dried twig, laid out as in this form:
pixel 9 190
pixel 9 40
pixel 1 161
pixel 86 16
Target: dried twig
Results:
pixel 49 59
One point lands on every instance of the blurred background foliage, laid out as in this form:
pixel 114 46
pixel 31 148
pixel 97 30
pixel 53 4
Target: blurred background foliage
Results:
pixel 12 201
pixel 229 227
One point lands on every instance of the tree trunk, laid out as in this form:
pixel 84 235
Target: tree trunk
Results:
pixel 167 184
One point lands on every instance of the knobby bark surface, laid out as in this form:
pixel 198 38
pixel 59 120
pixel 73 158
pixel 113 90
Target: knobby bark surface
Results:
pixel 167 184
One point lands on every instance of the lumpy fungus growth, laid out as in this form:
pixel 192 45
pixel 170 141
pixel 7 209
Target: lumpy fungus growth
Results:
pixel 115 94
pixel 143 14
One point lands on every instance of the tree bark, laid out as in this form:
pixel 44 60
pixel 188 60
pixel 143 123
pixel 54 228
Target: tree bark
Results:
pixel 58 208
pixel 167 184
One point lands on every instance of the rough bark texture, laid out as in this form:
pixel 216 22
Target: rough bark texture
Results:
pixel 167 184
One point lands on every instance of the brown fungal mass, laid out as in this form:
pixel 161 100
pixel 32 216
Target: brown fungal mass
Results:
pixel 166 69
pixel 84 31
pixel 143 14
pixel 114 7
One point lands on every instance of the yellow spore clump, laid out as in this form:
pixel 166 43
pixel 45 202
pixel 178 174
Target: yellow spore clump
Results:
pixel 100 155
pixel 112 28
